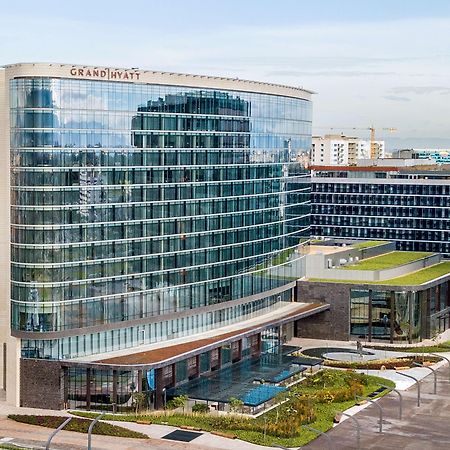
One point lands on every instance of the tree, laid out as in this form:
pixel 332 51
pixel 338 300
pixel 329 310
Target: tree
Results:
pixel 235 404
pixel 139 400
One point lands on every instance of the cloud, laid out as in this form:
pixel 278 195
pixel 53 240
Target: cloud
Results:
pixel 421 90
pixel 327 73
pixel 397 98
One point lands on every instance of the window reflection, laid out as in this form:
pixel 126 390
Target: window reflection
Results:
pixel 141 200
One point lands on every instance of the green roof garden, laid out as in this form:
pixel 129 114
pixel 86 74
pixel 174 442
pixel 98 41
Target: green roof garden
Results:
pixel 368 244
pixel 387 261
pixel 412 279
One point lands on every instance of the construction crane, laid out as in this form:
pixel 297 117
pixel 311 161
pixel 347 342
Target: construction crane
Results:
pixel 373 146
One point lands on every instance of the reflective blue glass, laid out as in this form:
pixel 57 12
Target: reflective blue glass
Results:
pixel 131 201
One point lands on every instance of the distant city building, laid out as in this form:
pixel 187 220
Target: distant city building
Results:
pixel 151 218
pixel 340 150
pixel 439 156
pixel 407 202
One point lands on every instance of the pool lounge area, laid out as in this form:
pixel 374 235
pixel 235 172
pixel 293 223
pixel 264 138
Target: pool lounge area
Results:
pixel 253 381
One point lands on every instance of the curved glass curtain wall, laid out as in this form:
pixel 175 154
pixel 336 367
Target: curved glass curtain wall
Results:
pixel 132 201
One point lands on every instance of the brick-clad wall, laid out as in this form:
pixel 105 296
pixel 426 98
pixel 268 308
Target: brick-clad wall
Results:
pixel 331 324
pixel 41 384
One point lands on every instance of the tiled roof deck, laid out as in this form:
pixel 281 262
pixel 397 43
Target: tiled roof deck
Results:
pixel 161 354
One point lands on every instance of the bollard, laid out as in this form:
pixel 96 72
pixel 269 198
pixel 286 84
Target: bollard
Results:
pixel 358 427
pixel 434 374
pixel 446 359
pixel 379 408
pixel 330 442
pixel 417 382
pixel 91 427
pixel 47 445
pixel 400 397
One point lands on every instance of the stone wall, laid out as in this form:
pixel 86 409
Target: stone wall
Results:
pixel 41 384
pixel 331 324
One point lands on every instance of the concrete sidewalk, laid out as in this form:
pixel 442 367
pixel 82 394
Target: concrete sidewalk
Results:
pixel 206 440
pixel 35 437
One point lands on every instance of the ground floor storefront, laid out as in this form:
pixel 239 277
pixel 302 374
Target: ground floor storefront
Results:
pixel 118 383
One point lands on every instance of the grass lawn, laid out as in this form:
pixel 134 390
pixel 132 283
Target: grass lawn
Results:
pixel 368 244
pixel 387 261
pixel 14 447
pixel 412 279
pixel 314 401
pixel 443 347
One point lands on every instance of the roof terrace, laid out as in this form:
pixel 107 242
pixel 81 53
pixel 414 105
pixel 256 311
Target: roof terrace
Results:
pixel 386 261
pixel 414 278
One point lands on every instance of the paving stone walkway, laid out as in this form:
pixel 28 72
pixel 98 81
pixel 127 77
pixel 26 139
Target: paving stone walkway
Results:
pixel 422 428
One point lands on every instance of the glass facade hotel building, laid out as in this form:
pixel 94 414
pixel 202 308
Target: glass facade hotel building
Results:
pixel 145 207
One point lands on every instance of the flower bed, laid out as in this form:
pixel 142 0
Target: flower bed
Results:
pixel 436 348
pixel 78 425
pixel 389 363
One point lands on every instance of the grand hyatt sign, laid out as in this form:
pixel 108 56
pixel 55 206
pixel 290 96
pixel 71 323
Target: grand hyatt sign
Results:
pixel 106 74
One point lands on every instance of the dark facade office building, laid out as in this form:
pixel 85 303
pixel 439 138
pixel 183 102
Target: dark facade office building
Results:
pixel 408 205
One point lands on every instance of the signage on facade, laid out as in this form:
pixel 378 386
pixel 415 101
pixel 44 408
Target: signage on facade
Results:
pixel 107 74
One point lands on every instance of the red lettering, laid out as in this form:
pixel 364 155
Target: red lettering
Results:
pixel 138 75
pixel 125 76
pixel 113 75
pixel 88 73
pixel 103 73
pixel 95 73
pixel 81 72
pixel 73 71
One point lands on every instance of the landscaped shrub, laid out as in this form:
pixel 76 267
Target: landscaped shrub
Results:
pixel 235 404
pixel 376 364
pixel 333 378
pixel 78 425
pixel 200 408
pixel 177 402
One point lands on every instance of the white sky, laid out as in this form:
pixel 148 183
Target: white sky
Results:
pixel 385 63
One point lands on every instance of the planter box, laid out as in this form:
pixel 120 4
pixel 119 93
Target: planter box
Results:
pixel 225 435
pixel 190 428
